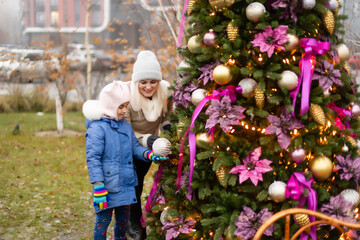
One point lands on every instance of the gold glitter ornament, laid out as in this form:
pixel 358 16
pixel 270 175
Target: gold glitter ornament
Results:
pixel 221 174
pixel 302 219
pixel 338 8
pixel 190 6
pixel 321 167
pixel 259 97
pixel 329 21
pixel 317 113
pixel 232 31
pixel 346 67
pixel 221 5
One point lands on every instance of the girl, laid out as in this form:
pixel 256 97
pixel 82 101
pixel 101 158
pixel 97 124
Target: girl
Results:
pixel 110 148
pixel 148 115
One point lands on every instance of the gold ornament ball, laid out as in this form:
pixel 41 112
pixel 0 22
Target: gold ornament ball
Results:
pixel 222 74
pixel 321 167
pixel 194 43
pixel 221 5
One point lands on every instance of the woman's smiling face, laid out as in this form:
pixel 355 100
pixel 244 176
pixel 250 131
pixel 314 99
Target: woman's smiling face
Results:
pixel 147 87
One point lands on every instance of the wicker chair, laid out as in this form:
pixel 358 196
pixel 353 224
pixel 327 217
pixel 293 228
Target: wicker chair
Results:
pixel 321 219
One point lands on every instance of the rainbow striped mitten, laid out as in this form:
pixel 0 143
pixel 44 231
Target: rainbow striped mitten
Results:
pixel 100 196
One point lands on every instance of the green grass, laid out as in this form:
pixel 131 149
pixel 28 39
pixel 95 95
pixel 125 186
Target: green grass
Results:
pixel 45 191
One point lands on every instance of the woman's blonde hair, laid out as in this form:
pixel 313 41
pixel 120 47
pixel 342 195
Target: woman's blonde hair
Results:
pixel 152 109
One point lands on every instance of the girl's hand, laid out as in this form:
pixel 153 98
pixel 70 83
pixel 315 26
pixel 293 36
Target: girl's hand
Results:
pixel 100 197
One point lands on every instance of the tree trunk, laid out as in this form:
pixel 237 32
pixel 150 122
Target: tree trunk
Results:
pixel 59 116
pixel 88 68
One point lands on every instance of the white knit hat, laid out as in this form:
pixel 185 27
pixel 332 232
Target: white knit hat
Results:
pixel 111 97
pixel 146 67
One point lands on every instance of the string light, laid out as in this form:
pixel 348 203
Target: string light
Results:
pixel 212 13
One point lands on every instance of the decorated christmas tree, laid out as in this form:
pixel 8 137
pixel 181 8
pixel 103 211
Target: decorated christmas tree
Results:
pixel 265 118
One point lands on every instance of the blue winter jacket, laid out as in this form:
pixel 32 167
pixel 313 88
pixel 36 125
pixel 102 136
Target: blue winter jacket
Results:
pixel 110 148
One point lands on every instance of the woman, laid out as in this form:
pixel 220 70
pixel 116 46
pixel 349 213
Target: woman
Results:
pixel 148 115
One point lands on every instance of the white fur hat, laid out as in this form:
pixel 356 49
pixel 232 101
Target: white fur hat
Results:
pixel 146 67
pixel 111 97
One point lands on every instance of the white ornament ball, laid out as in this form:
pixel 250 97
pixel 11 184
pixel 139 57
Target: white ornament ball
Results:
pixel 333 5
pixel 289 80
pixel 298 155
pixel 255 11
pixel 309 4
pixel 277 191
pixel 351 195
pixel 184 64
pixel 293 42
pixel 248 86
pixel 161 147
pixel 327 93
pixel 164 216
pixel 345 148
pixel 343 52
pixel 198 95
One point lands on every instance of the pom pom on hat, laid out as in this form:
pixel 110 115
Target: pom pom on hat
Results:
pixel 110 98
pixel 146 67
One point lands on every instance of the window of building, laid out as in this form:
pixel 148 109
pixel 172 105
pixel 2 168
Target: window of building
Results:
pixel 40 18
pixel 54 18
pixel 54 4
pixel 77 13
pixel 96 14
pixel 39 4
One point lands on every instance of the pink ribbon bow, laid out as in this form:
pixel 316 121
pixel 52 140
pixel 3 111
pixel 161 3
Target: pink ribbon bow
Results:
pixel 228 91
pixel 307 64
pixel 295 190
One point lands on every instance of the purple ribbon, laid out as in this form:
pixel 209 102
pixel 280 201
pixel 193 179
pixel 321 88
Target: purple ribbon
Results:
pixel 182 24
pixel 307 64
pixel 295 190
pixel 153 190
pixel 341 113
pixel 228 91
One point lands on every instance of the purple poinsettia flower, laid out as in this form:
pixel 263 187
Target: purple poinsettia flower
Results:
pixel 182 93
pixel 271 39
pixel 291 8
pixel 281 126
pixel 175 227
pixel 327 75
pixel 207 71
pixel 350 168
pixel 252 167
pixel 249 222
pixel 223 113
pixel 339 208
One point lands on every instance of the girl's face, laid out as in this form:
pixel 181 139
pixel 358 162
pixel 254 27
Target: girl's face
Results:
pixel 122 110
pixel 147 87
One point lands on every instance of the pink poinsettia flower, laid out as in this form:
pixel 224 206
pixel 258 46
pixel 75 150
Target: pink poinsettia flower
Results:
pixel 271 39
pixel 252 167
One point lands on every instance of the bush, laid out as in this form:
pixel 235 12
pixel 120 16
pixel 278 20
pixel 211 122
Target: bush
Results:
pixel 17 101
